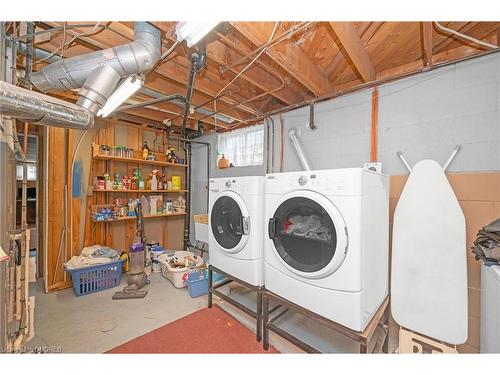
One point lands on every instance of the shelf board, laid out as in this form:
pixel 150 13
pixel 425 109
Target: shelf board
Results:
pixel 124 218
pixel 140 161
pixel 139 191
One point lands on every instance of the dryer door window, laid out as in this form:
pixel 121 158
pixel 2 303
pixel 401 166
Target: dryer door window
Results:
pixel 227 222
pixel 303 234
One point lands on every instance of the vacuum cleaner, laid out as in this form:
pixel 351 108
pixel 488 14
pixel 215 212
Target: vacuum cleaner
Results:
pixel 137 278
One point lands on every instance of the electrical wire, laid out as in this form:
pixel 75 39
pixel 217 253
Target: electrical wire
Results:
pixel 243 71
pixel 64 43
pixel 251 62
pixel 55 28
pixel 463 36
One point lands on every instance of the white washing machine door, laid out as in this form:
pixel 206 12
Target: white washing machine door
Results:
pixel 230 222
pixel 308 234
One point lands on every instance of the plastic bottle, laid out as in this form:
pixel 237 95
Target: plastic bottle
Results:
pixel 154 182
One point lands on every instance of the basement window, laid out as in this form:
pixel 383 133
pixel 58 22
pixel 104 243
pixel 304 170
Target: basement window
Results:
pixel 242 147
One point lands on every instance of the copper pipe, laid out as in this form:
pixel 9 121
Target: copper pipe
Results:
pixel 374 129
pixel 249 100
pixel 232 45
pixel 369 85
pixel 289 33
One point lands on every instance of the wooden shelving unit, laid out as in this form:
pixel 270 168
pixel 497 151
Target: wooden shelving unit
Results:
pixel 125 165
pixel 140 161
pixel 126 218
pixel 139 191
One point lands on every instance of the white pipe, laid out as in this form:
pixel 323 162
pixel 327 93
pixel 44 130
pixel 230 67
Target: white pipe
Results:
pixel 459 34
pixel 400 154
pixel 452 156
pixel 298 148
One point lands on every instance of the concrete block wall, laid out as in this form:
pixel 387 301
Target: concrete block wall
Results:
pixel 424 116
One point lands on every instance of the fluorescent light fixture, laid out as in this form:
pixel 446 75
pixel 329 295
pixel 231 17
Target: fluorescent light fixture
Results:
pixel 193 31
pixel 122 93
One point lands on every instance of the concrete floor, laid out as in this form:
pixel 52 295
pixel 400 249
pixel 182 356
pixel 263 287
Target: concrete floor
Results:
pixel 95 323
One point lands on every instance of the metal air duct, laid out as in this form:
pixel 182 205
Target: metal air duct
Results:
pixel 31 106
pixel 98 73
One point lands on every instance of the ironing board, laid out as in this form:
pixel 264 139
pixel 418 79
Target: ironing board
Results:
pixel 429 259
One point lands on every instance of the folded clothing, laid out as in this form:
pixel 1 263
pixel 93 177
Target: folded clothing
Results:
pixel 91 256
pixel 98 251
pixel 82 261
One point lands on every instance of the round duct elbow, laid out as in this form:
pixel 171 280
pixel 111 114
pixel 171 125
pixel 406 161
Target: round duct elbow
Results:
pixel 136 57
pixel 96 90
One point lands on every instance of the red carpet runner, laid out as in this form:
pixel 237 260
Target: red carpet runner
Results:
pixel 205 331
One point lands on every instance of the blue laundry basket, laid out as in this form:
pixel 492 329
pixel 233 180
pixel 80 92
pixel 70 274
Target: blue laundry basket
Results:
pixel 95 278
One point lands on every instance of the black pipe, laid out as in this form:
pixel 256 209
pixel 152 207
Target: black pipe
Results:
pixel 188 187
pixel 167 98
pixel 198 60
pixel 187 221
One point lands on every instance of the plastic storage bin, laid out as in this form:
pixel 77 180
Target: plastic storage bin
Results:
pixel 198 283
pixel 93 279
pixel 176 275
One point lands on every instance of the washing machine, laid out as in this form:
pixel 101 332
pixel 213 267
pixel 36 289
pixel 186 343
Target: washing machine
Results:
pixel 326 241
pixel 235 217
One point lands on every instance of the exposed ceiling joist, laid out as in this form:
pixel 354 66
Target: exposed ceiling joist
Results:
pixel 288 56
pixel 427 29
pixel 176 71
pixel 348 37
pixel 257 76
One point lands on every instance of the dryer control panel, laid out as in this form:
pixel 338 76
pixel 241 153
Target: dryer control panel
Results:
pixel 242 185
pixel 348 181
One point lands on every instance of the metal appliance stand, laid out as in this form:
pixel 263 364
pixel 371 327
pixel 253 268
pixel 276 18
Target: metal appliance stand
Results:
pixel 213 289
pixel 380 319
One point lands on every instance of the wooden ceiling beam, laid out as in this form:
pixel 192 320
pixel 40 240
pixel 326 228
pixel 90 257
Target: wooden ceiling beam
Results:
pixel 287 55
pixel 256 76
pixel 427 30
pixel 349 38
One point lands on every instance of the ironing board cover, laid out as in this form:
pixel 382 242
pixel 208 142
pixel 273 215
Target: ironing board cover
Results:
pixel 429 259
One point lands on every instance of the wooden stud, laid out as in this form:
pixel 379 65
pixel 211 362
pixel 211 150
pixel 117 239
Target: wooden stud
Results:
pixel 427 29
